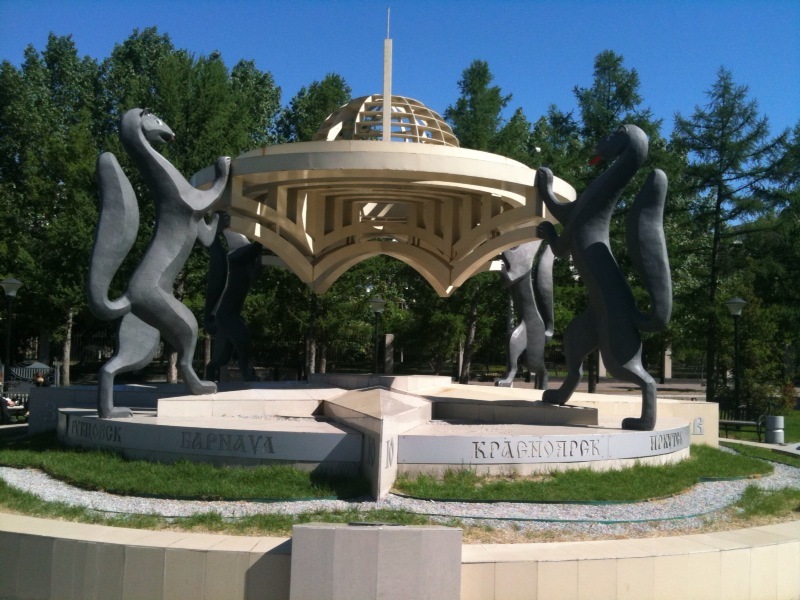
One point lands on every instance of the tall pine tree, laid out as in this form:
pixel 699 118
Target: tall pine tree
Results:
pixel 729 170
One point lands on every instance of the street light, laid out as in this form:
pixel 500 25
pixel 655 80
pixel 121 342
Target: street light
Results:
pixel 377 303
pixel 10 287
pixel 735 306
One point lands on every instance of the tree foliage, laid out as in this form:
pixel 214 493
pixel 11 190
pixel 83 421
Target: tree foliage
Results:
pixel 299 121
pixel 727 176
pixel 612 99
pixel 478 123
pixel 732 217
pixel 57 111
pixel 477 115
pixel 47 175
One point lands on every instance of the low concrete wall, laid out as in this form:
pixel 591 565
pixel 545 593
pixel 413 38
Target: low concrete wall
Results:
pixel 703 417
pixel 54 559
pixel 45 402
pixel 746 564
pixel 303 444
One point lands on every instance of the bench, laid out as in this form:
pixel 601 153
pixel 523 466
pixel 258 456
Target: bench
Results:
pixel 15 413
pixel 756 425
pixel 12 413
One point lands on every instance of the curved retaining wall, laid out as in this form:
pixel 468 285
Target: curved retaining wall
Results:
pixel 41 558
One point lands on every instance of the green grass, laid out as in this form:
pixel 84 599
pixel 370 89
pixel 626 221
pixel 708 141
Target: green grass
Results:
pixel 110 472
pixel 764 454
pixel 106 471
pixel 791 427
pixel 265 524
pixel 756 503
pixel 791 430
pixel 638 483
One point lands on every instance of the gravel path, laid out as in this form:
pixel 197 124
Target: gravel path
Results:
pixel 687 510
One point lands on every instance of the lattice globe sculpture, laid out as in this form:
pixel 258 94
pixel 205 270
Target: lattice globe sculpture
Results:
pixel 362 119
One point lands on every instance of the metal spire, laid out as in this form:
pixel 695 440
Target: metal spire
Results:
pixel 386 126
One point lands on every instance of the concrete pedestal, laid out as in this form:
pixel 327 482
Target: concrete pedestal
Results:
pixel 333 561
pixel 387 425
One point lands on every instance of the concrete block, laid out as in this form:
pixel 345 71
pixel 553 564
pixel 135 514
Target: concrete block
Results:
pixel 380 415
pixel 557 579
pixel 515 580
pixel 69 559
pixel 109 571
pixel 764 572
pixel 788 566
pixel 86 558
pixel 669 580
pixel 35 563
pixel 635 578
pixel 734 573
pixel 184 574
pixel 225 575
pixel 478 581
pixel 144 573
pixel 268 577
pixel 355 565
pixel 405 551
pixel 336 561
pixel 9 555
pixel 703 572
pixel 597 579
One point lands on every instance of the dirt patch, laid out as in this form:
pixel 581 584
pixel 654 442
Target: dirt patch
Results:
pixel 724 521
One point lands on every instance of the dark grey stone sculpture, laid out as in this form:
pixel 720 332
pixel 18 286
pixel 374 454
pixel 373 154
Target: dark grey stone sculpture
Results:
pixel 535 307
pixel 148 308
pixel 231 273
pixel 612 321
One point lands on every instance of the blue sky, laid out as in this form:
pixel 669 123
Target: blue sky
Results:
pixel 538 51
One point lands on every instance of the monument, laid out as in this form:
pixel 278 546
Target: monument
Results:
pixel 234 265
pixel 148 309
pixel 535 308
pixel 384 175
pixel 612 321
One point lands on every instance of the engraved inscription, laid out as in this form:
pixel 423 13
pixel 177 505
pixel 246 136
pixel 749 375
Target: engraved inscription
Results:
pixel 535 449
pixel 557 447
pixel 96 432
pixel 665 441
pixel 389 453
pixel 234 442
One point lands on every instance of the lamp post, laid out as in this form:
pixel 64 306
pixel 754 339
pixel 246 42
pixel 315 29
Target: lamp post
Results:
pixel 735 306
pixel 10 287
pixel 377 303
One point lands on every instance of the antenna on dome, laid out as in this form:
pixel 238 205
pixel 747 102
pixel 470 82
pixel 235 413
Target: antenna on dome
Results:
pixel 386 125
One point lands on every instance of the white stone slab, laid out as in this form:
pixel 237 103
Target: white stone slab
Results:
pixel 436 443
pixel 380 415
pixel 224 440
pixel 251 400
pixel 337 561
